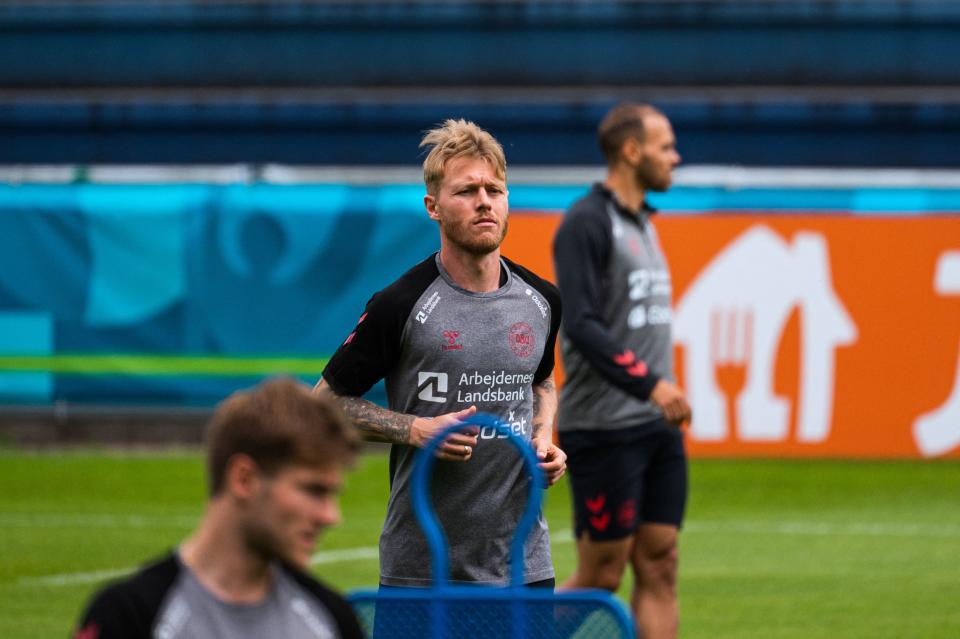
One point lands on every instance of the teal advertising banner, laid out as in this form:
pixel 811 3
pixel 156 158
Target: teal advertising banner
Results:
pixel 178 294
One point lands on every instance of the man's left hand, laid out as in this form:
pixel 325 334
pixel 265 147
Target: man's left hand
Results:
pixel 553 461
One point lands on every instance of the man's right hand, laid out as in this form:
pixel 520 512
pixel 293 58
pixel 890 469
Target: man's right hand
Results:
pixel 670 399
pixel 458 446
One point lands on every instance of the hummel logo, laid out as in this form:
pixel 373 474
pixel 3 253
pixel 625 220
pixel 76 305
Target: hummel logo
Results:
pixel 596 504
pixel 600 523
pixel 452 337
pixel 430 384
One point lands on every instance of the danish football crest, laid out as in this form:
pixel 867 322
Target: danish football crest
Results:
pixel 522 339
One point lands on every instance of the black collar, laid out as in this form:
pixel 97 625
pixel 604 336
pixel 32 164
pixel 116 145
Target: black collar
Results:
pixel 645 208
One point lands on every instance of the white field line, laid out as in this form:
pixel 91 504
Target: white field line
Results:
pixel 74 578
pixel 367 553
pixel 361 553
pixel 812 528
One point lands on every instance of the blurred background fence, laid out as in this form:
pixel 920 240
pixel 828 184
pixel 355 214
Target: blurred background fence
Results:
pixel 768 82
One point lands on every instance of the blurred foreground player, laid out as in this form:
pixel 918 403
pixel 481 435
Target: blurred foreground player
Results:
pixel 275 457
pixel 620 410
pixel 463 330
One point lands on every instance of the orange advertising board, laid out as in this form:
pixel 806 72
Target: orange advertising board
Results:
pixel 820 335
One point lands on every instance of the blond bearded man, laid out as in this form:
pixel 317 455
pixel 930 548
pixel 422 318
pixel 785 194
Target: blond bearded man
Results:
pixel 465 330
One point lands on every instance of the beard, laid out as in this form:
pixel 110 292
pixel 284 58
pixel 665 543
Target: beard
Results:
pixel 650 179
pixel 265 534
pixel 461 236
pixel 261 542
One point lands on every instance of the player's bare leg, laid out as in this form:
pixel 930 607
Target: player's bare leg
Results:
pixel 654 600
pixel 600 564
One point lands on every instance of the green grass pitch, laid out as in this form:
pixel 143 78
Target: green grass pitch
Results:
pixel 772 549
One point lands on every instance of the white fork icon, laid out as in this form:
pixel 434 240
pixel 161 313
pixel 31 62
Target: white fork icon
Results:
pixel 731 340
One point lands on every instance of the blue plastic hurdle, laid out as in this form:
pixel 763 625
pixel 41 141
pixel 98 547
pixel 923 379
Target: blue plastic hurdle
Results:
pixel 455 611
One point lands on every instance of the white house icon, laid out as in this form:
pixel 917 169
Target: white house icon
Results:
pixel 731 320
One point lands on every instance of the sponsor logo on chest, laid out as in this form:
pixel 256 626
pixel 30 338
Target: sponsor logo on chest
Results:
pixel 432 387
pixel 427 307
pixel 536 300
pixel 474 387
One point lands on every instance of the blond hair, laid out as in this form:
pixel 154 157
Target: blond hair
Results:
pixel 622 122
pixel 454 139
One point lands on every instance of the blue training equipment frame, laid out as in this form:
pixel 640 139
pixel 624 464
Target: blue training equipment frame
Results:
pixel 515 596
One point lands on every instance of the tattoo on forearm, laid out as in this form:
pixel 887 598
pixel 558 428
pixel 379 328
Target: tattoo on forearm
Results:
pixel 544 397
pixel 376 423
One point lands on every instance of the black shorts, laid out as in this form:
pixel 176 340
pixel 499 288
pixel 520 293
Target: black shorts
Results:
pixel 620 479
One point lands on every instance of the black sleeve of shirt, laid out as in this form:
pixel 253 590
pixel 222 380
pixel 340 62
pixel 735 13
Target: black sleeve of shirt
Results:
pixel 581 250
pixel 128 608
pixel 552 297
pixel 372 350
pixel 338 607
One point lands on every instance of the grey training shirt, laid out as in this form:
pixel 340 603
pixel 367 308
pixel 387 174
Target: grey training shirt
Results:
pixel 616 292
pixel 441 349
pixel 165 601
pixel 192 612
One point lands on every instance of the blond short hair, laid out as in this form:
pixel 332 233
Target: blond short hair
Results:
pixel 454 139
pixel 622 122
